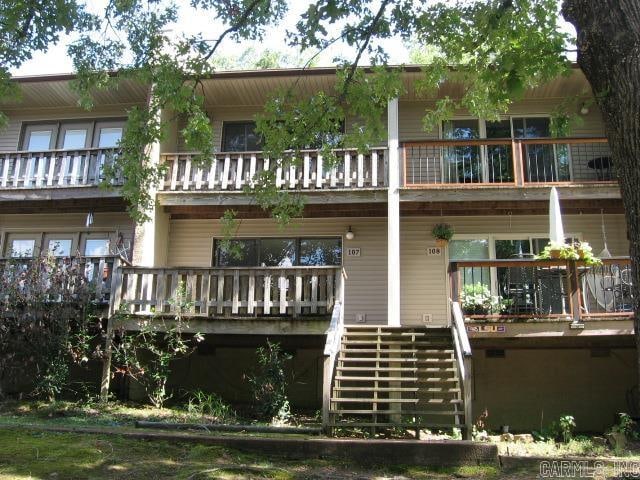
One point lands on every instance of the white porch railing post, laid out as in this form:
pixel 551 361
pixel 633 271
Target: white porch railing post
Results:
pixel 393 218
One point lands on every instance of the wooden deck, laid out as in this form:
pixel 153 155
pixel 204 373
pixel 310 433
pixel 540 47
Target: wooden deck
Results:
pixel 532 290
pixel 478 163
pixel 228 292
pixel 234 171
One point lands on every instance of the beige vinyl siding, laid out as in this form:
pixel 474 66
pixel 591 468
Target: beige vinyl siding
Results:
pixel 190 244
pixel 72 223
pixel 10 136
pixel 424 282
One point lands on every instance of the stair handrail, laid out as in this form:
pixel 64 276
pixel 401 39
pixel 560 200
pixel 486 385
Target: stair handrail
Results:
pixel 464 359
pixel 331 350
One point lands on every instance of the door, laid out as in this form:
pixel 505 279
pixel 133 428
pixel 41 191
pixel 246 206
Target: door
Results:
pixel 462 163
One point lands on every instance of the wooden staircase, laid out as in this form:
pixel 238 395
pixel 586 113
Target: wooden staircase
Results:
pixel 389 377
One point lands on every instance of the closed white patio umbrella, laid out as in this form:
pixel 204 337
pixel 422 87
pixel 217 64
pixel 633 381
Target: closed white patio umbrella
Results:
pixel 556 231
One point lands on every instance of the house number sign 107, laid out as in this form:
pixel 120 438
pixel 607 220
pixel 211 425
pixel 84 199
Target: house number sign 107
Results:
pixel 436 251
pixel 353 252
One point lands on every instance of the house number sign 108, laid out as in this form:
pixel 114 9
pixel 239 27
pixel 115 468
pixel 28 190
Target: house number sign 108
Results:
pixel 353 252
pixel 434 251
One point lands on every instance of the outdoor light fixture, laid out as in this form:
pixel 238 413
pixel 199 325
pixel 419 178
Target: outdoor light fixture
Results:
pixel 89 219
pixel 584 109
pixel 349 235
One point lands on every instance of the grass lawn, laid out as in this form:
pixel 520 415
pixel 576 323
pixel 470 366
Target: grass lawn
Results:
pixel 37 454
pixel 45 455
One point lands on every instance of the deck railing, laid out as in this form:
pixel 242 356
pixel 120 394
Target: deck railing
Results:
pixel 97 272
pixel 232 291
pixel 551 289
pixel 463 353
pixel 233 171
pixel 54 168
pixel 515 162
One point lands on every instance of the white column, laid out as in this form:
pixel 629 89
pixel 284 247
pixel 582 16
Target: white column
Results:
pixel 393 217
pixel 150 242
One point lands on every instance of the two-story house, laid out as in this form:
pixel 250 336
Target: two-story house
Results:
pixel 357 290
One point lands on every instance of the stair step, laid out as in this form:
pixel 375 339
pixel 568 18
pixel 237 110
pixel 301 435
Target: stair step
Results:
pixel 374 400
pixel 398 342
pixel 376 389
pixel 389 350
pixel 440 390
pixel 442 413
pixel 349 333
pixel 420 425
pixel 393 360
pixel 430 401
pixel 398 379
pixel 378 379
pixel 395 369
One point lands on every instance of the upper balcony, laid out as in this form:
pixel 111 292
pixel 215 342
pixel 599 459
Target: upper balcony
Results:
pixel 55 168
pixel 363 173
pixel 510 164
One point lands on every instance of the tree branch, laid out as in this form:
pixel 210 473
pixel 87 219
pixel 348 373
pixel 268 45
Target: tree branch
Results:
pixel 233 28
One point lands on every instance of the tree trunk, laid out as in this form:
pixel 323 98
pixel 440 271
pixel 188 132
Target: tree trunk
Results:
pixel 609 55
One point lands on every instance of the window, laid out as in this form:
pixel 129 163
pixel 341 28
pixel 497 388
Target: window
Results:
pixel 39 140
pixel 240 137
pixel 95 247
pixel 59 247
pixel 462 163
pixel 278 252
pixel 320 251
pixel 494 163
pixel 109 137
pixel 72 135
pixel 545 162
pixel 74 139
pixel 474 249
pixel 239 253
pixel 22 248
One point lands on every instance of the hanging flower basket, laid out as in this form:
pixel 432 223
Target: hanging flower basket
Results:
pixel 442 232
pixel 441 242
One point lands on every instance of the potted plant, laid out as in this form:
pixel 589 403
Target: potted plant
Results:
pixel 578 251
pixel 477 300
pixel 442 232
pixel 585 253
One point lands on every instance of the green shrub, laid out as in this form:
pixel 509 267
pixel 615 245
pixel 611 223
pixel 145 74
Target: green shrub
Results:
pixel 204 404
pixel 268 383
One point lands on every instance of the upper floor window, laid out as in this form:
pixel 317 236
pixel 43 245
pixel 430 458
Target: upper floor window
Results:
pixel 109 137
pixel 59 247
pixel 22 247
pixel 72 135
pixel 240 137
pixel 278 252
pixel 94 247
pixel 39 140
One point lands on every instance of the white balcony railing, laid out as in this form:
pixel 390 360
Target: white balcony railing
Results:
pixel 54 168
pixel 234 171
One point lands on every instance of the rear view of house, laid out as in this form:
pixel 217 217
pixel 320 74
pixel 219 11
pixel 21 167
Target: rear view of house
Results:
pixel 384 325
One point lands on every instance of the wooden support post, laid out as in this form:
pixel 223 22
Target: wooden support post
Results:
pixel 574 285
pixel 518 164
pixel 106 362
